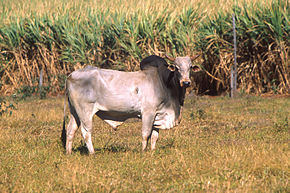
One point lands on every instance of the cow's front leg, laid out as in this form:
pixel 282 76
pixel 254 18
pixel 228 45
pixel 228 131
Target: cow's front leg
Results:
pixel 147 124
pixel 154 137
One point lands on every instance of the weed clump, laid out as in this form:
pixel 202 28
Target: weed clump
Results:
pixel 6 106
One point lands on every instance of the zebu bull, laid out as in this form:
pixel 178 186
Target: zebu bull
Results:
pixel 155 94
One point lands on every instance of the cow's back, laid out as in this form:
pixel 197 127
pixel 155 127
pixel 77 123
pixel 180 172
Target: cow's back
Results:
pixel 113 90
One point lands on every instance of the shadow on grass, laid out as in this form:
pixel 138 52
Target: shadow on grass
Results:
pixel 113 148
pixel 168 144
pixel 117 148
pixel 121 148
pixel 82 149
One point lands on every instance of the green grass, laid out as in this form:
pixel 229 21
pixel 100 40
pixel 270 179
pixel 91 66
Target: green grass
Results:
pixel 222 144
pixel 61 36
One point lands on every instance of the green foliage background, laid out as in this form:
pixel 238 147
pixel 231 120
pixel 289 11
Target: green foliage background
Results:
pixel 60 37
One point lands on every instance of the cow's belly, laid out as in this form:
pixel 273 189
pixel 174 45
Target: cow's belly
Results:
pixel 117 116
pixel 165 120
pixel 117 101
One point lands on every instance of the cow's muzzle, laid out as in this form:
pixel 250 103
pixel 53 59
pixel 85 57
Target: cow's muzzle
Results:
pixel 185 83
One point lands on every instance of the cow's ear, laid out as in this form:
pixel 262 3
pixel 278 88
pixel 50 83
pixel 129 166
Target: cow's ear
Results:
pixel 171 67
pixel 195 68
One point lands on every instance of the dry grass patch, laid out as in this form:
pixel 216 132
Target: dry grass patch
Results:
pixel 239 145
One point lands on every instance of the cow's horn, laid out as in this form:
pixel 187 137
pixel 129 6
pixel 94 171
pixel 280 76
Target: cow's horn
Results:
pixel 170 58
pixel 194 57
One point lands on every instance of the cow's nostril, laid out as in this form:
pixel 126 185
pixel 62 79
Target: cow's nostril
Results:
pixel 186 83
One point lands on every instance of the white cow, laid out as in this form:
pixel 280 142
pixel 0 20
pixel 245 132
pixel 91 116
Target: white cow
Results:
pixel 155 94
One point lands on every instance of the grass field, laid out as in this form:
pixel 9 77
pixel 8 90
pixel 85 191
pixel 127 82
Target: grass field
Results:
pixel 222 145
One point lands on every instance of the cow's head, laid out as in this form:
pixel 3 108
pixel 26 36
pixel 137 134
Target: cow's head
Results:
pixel 183 65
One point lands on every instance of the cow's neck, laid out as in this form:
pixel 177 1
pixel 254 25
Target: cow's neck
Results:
pixel 177 91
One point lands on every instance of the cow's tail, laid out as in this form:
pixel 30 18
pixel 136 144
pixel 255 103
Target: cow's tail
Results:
pixel 63 133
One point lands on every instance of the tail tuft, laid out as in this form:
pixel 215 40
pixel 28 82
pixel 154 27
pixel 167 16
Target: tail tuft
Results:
pixel 63 135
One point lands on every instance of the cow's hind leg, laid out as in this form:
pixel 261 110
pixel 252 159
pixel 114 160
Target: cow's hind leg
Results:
pixel 71 129
pixel 86 128
pixel 84 113
pixel 147 123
